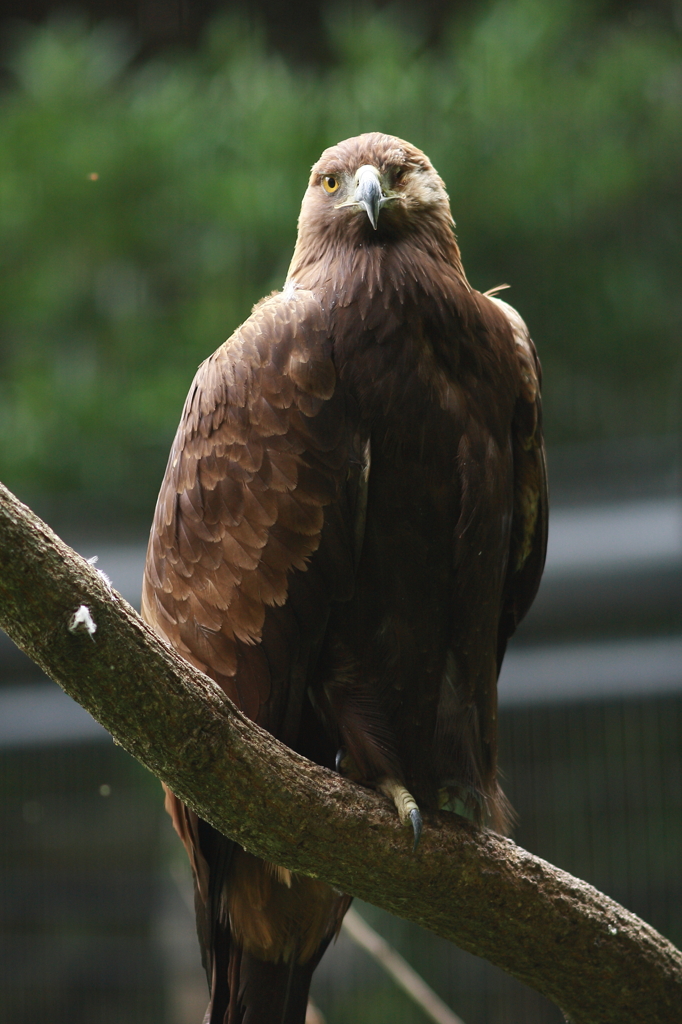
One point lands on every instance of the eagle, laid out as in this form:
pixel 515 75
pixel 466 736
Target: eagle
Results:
pixel 351 525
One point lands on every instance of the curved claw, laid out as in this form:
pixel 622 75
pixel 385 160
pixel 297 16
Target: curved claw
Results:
pixel 405 804
pixel 417 824
pixel 339 759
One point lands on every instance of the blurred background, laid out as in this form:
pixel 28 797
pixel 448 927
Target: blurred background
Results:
pixel 152 163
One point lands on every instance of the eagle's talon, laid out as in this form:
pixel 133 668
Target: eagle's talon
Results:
pixel 405 804
pixel 417 824
pixel 346 766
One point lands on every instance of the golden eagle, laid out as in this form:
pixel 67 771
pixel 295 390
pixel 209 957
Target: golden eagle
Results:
pixel 351 525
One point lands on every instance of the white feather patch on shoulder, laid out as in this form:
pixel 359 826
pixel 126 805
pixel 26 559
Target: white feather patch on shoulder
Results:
pixel 517 323
pixel 524 347
pixel 82 622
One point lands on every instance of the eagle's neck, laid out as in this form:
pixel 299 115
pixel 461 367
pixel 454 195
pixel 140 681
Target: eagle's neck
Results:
pixel 342 248
pixel 387 291
pixel 377 276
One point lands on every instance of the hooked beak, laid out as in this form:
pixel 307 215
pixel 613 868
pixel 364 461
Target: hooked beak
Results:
pixel 369 194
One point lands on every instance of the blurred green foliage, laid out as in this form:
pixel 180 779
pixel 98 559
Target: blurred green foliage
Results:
pixel 145 207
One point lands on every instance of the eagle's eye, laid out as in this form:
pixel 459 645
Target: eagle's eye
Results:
pixel 330 183
pixel 398 175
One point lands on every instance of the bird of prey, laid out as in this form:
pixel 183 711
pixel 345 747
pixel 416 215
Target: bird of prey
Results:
pixel 351 524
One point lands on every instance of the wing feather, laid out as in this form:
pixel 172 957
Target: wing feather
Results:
pixel 528 542
pixel 251 502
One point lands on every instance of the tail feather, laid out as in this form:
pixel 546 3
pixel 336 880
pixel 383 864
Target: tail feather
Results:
pixel 248 990
pixel 262 929
pixel 263 932
pixel 272 993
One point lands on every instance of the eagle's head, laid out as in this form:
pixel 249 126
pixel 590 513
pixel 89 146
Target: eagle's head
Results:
pixel 377 175
pixel 370 191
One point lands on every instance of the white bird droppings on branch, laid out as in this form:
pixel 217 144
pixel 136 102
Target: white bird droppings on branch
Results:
pixel 82 621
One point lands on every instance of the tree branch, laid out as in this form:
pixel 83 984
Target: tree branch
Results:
pixel 596 960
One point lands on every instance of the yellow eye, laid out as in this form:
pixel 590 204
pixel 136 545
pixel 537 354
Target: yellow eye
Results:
pixel 330 183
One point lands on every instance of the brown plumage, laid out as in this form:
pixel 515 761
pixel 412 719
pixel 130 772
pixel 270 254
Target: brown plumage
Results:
pixel 351 525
